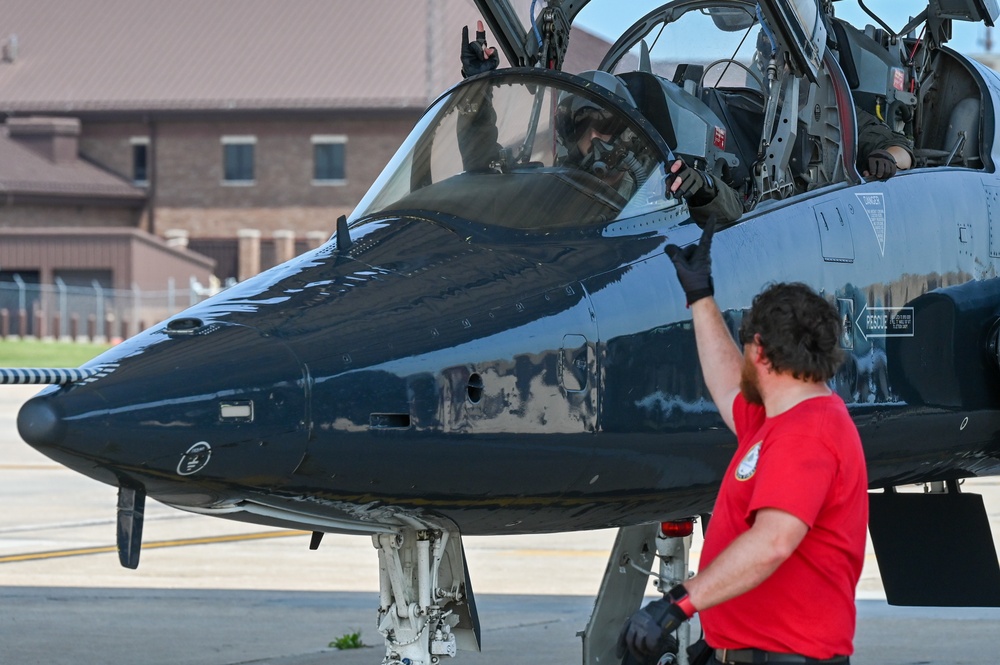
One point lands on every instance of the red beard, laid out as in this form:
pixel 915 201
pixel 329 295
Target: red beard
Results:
pixel 749 386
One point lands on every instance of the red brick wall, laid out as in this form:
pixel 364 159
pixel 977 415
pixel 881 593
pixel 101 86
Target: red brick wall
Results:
pixel 108 145
pixel 189 189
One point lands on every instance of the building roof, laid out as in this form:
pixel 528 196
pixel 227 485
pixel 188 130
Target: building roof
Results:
pixel 26 173
pixel 74 56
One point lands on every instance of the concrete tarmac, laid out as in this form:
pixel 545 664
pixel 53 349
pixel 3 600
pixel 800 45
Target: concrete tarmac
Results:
pixel 212 592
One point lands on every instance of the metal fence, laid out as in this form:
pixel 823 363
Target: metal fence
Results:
pixel 93 313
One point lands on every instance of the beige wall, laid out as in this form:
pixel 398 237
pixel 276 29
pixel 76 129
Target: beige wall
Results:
pixel 38 216
pixel 131 256
pixel 226 222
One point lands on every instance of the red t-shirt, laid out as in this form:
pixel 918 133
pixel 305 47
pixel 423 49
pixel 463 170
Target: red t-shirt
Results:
pixel 807 461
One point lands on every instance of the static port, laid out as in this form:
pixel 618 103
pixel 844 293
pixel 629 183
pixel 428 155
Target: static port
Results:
pixel 475 388
pixel 184 326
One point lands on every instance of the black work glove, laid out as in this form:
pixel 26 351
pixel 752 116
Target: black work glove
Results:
pixel 647 633
pixel 696 187
pixel 476 56
pixel 881 165
pixel 694 265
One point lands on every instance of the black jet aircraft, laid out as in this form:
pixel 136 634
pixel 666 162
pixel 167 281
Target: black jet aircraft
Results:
pixel 495 343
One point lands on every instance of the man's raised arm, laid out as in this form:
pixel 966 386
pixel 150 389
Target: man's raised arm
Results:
pixel 720 358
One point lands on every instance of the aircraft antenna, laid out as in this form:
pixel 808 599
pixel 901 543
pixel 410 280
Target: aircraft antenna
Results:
pixel 343 235
pixel 644 63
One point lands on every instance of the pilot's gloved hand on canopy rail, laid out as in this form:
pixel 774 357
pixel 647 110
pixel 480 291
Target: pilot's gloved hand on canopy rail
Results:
pixel 882 152
pixel 694 265
pixel 706 195
pixel 697 187
pixel 477 57
pixel 881 165
pixel 647 633
pixel 886 162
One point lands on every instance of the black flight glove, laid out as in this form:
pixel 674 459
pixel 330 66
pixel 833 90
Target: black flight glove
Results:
pixel 476 56
pixel 881 165
pixel 694 265
pixel 695 186
pixel 646 634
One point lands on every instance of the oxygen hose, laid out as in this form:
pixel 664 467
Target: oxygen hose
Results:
pixel 601 169
pixel 634 167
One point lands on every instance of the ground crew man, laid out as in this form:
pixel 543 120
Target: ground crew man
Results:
pixel 786 543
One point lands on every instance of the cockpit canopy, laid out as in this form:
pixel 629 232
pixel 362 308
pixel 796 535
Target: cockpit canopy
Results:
pixel 756 94
pixel 527 149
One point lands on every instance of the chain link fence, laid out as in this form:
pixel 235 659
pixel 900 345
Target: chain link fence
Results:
pixel 91 313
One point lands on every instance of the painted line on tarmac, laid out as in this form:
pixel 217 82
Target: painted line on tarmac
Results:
pixel 567 553
pixel 82 551
pixel 83 523
pixel 545 552
pixel 33 467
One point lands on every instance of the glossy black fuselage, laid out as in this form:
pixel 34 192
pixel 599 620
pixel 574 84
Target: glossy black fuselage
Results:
pixel 510 381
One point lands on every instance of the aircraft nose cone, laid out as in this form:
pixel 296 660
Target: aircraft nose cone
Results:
pixel 39 423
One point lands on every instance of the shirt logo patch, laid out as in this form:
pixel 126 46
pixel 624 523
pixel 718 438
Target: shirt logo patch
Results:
pixel 748 466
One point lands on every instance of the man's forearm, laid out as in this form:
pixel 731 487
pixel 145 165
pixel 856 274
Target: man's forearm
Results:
pixel 749 560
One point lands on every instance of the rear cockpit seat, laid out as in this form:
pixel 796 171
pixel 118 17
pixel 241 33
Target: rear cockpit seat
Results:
pixel 950 117
pixel 692 129
pixel 878 80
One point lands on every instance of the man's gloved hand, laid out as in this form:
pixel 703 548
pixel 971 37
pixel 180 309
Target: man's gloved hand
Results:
pixel 476 56
pixel 646 634
pixel 696 187
pixel 881 165
pixel 694 265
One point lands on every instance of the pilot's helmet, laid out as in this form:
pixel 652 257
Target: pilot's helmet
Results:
pixel 575 114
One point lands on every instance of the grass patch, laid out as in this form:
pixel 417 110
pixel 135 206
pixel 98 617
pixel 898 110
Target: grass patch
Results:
pixel 349 641
pixel 35 353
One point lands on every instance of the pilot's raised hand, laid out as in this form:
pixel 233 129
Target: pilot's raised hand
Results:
pixel 694 265
pixel 696 187
pixel 881 165
pixel 477 57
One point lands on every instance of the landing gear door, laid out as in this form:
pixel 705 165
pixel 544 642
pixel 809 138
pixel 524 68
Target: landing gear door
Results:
pixel 797 27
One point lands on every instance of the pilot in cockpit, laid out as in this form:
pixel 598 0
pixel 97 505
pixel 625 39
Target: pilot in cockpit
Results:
pixel 882 151
pixel 592 137
pixel 597 141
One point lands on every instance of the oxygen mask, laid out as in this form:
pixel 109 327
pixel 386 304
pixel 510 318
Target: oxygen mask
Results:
pixel 599 160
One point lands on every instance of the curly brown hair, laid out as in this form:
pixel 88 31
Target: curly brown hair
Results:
pixel 798 330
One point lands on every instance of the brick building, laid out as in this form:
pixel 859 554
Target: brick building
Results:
pixel 240 129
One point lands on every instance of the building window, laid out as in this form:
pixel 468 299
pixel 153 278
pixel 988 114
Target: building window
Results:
pixel 140 160
pixel 237 159
pixel 329 160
